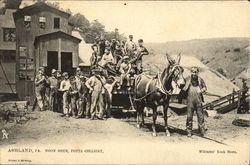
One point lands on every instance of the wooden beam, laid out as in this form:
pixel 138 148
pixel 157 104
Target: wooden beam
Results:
pixel 59 55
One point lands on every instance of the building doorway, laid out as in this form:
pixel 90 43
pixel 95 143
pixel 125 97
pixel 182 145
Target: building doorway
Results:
pixel 52 62
pixel 66 62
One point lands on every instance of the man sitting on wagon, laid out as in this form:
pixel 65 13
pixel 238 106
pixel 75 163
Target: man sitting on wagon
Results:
pixel 125 70
pixel 105 64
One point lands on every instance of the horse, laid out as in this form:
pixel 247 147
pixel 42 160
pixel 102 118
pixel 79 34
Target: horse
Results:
pixel 156 91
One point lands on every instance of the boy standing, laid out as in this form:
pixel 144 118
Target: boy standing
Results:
pixel 64 87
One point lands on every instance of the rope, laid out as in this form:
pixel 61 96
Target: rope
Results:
pixel 139 99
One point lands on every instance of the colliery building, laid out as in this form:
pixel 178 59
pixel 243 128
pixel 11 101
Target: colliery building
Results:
pixel 38 36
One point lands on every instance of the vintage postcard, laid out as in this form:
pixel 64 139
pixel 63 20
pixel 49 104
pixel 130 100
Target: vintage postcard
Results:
pixel 124 82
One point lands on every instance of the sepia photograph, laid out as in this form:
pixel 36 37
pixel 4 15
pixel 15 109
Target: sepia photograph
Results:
pixel 124 82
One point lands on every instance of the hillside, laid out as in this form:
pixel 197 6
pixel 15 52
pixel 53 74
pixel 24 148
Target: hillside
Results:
pixel 229 56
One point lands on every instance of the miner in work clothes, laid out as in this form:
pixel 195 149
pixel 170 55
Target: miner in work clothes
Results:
pixel 95 86
pixel 64 87
pixel 130 47
pixel 141 51
pixel 194 88
pixel 53 84
pixel 40 83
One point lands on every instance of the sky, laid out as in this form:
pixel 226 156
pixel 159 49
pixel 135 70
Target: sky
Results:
pixel 160 21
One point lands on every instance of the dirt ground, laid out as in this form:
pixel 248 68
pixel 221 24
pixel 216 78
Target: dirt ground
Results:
pixel 51 129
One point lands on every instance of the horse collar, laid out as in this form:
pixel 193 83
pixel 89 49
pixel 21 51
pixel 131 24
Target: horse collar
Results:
pixel 161 88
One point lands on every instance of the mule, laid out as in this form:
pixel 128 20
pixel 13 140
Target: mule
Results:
pixel 156 91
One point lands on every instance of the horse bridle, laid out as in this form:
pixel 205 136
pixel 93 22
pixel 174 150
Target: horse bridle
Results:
pixel 176 67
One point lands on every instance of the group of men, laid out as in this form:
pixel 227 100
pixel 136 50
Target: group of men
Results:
pixel 122 58
pixel 77 96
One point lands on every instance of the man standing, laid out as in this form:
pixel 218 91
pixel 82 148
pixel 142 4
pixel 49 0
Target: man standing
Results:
pixel 101 46
pixel 130 47
pixel 194 88
pixel 112 46
pixel 40 83
pixel 74 96
pixel 53 84
pixel 84 102
pixel 141 51
pixel 95 86
pixel 64 87
pixel 59 93
pixel 94 58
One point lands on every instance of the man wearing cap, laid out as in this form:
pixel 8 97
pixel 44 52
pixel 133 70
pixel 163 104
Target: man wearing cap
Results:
pixel 112 46
pixel 59 93
pixel 53 85
pixel 118 52
pixel 102 46
pixel 130 47
pixel 64 87
pixel 40 83
pixel 141 51
pixel 74 96
pixel 194 88
pixel 125 69
pixel 83 101
pixel 96 44
pixel 95 86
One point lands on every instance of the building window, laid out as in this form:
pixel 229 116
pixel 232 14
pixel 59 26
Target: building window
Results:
pixel 27 21
pixel 56 23
pixel 9 34
pixel 8 56
pixel 42 21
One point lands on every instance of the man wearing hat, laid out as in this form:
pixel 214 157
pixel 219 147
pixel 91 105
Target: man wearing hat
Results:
pixel 194 88
pixel 53 85
pixel 40 83
pixel 95 85
pixel 125 69
pixel 64 87
pixel 130 47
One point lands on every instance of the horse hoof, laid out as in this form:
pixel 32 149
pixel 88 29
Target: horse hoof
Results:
pixel 154 134
pixel 138 126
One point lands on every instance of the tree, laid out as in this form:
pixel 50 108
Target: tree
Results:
pixel 80 21
pixel 12 4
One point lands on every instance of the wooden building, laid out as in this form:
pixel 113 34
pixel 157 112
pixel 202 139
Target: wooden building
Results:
pixel 43 38
pixel 7 52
